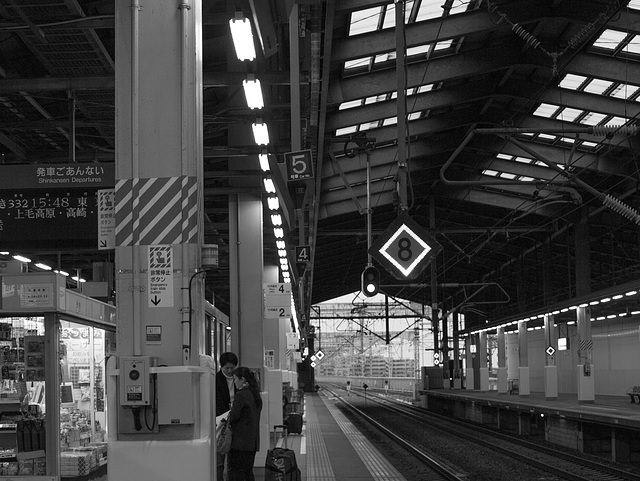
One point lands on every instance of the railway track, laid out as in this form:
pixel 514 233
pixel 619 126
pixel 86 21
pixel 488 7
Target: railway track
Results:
pixel 425 430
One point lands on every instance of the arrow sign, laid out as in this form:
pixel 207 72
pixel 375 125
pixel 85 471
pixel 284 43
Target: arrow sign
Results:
pixel 160 276
pixel 106 219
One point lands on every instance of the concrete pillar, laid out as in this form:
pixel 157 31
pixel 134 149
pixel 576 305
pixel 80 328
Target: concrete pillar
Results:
pixel 470 347
pixel 524 388
pixel 550 368
pixel 482 360
pixel 246 279
pixel 585 374
pixel 159 235
pixel 503 384
pixel 457 374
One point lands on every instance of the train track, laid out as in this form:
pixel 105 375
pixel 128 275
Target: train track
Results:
pixel 403 421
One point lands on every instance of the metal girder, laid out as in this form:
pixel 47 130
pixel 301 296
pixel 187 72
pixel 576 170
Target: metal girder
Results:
pixel 469 64
pixel 481 89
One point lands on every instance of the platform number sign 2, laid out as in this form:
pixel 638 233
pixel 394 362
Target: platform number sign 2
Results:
pixel 405 248
pixel 299 165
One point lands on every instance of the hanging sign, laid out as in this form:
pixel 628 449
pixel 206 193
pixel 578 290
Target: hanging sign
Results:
pixel 277 300
pixel 299 165
pixel 405 248
pixel 292 340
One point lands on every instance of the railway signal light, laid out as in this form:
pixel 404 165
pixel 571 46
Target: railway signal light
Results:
pixel 370 281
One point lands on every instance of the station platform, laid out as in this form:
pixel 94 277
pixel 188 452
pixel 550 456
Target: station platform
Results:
pixel 331 448
pixel 608 410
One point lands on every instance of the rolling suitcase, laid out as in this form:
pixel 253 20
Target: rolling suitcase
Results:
pixel 293 419
pixel 281 464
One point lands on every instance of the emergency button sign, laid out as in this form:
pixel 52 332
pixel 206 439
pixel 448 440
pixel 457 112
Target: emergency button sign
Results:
pixel 405 248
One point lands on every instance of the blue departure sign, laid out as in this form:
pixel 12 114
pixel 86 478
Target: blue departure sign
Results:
pixel 405 248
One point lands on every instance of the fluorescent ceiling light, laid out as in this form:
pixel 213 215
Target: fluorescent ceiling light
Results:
pixel 276 219
pixel 278 232
pixel 260 133
pixel 280 244
pixel 273 203
pixel 62 273
pixel 264 162
pixel 253 93
pixel 44 267
pixel 242 37
pixel 21 258
pixel 269 186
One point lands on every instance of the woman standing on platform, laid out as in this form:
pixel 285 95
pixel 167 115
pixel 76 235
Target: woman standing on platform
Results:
pixel 244 420
pixel 225 391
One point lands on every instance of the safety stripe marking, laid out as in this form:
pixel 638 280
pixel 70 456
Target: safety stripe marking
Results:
pixel 155 211
pixel 318 462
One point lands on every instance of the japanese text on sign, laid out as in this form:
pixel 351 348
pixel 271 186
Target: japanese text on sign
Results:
pixel 160 276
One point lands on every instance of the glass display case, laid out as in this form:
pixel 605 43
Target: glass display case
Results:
pixel 54 344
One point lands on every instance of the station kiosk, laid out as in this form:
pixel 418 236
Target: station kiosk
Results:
pixel 54 344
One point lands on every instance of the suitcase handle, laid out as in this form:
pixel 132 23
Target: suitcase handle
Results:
pixel 285 433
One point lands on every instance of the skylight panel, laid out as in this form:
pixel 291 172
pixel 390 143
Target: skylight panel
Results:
pixel 616 121
pixel 368 125
pixel 624 91
pixel 598 86
pixel 444 45
pixel 356 63
pixel 425 88
pixel 418 50
pixel 569 114
pixel 572 82
pixel 504 156
pixel 390 15
pixel 634 4
pixel 633 46
pixel 546 110
pixel 523 160
pixel 433 8
pixel 390 121
pixel 375 99
pixel 526 178
pixel 429 9
pixel 350 104
pixel 547 136
pixel 414 115
pixel 507 175
pixel 610 39
pixel 347 130
pixel 593 118
pixel 363 21
pixel 568 140
pixel 492 173
pixel 384 57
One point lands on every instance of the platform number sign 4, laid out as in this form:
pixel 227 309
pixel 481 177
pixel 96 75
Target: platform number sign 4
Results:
pixel 405 248
pixel 299 165
pixel 303 254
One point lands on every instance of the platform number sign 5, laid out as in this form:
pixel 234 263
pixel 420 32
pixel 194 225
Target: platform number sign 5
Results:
pixel 405 248
pixel 299 165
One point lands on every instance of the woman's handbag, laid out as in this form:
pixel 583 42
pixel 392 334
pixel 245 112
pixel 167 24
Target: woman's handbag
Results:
pixel 223 439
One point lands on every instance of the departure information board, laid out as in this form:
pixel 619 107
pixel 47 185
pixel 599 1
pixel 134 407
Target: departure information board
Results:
pixel 52 218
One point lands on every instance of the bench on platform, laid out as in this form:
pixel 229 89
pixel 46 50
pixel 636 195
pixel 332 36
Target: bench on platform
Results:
pixel 634 392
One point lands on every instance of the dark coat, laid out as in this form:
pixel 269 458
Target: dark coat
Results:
pixel 245 421
pixel 223 398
